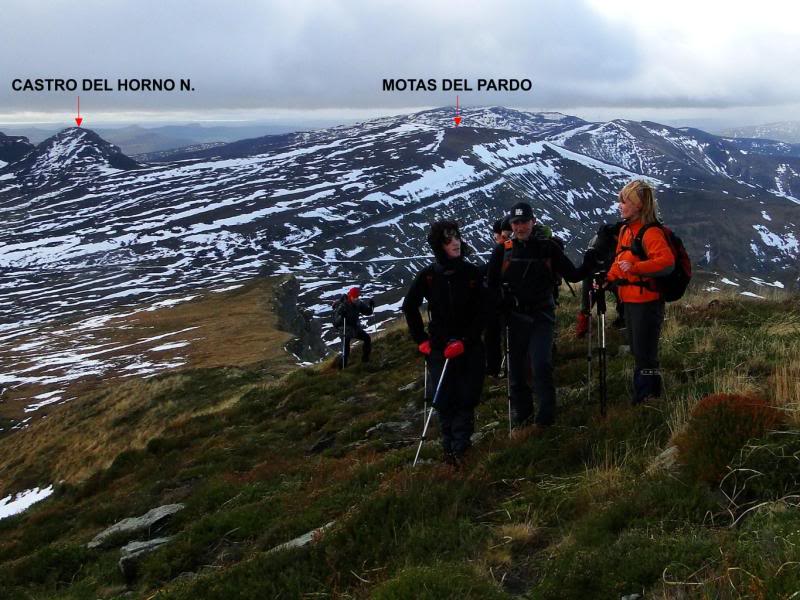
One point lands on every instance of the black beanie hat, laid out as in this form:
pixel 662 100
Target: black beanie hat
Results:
pixel 436 237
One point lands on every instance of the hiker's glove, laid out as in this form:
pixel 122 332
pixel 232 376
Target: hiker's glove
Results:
pixel 425 347
pixel 454 349
pixel 371 303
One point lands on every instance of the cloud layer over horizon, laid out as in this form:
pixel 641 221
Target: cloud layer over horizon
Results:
pixel 326 54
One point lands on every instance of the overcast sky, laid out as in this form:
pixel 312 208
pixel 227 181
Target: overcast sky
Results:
pixel 296 59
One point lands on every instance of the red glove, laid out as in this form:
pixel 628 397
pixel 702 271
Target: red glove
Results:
pixel 425 347
pixel 454 349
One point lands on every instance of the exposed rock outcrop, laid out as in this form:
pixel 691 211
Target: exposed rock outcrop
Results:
pixel 134 525
pixel 307 344
pixel 132 553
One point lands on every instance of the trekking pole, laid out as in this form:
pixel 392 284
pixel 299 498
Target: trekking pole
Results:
pixel 425 395
pixel 508 379
pixel 430 414
pixel 600 300
pixel 344 346
pixel 574 295
pixel 589 346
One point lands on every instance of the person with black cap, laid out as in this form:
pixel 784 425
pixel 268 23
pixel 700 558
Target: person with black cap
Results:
pixel 454 291
pixel 347 312
pixel 492 335
pixel 524 270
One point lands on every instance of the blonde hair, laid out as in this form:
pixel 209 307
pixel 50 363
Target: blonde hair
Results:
pixel 643 194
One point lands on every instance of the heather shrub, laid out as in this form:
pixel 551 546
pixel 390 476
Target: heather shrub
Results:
pixel 718 427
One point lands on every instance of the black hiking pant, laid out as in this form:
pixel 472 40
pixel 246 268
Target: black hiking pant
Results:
pixel 458 397
pixel 531 349
pixel 358 334
pixel 643 321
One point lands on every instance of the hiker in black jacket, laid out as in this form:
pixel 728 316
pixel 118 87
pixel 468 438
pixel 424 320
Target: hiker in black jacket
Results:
pixel 347 311
pixel 604 244
pixel 523 271
pixel 454 291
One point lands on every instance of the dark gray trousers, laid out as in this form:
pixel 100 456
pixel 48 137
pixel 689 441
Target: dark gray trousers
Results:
pixel 460 393
pixel 358 334
pixel 643 321
pixel 531 350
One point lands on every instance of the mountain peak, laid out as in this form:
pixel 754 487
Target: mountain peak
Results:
pixel 72 153
pixel 498 117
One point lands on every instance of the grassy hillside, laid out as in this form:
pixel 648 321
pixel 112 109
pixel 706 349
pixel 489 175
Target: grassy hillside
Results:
pixel 582 511
pixel 237 327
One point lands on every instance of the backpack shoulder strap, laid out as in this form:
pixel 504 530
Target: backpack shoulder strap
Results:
pixel 638 243
pixel 622 231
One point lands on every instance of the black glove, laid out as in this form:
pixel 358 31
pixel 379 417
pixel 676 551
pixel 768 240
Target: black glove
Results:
pixel 371 303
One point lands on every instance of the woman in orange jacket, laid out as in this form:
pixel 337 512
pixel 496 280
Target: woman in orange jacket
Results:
pixel 635 268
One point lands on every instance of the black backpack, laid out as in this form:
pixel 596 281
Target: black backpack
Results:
pixel 605 243
pixel 672 287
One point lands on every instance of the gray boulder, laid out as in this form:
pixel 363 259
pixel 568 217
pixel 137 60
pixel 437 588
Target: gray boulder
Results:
pixel 395 427
pixel 305 539
pixel 135 525
pixel 409 387
pixel 132 553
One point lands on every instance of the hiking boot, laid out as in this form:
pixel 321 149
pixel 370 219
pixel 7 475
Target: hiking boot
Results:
pixel 582 324
pixel 449 458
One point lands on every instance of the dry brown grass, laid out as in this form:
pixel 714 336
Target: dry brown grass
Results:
pixel 604 478
pixel 786 389
pixel 234 328
pixel 81 436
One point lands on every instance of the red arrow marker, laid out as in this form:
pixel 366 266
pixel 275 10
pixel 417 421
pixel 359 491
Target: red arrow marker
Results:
pixel 79 119
pixel 457 118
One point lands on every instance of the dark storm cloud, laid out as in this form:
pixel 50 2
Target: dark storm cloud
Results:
pixel 309 54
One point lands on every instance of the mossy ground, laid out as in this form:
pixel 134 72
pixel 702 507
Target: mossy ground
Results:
pixel 574 513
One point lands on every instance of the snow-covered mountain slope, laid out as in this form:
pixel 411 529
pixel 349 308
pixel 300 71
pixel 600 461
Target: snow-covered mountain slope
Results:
pixel 681 156
pixel 785 131
pixel 72 158
pixel 88 230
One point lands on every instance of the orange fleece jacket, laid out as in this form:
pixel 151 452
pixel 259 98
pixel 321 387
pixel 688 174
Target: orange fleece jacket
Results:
pixel 660 261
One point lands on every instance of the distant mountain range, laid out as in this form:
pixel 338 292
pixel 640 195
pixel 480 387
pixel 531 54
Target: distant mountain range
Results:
pixel 784 131
pixel 89 230
pixel 134 139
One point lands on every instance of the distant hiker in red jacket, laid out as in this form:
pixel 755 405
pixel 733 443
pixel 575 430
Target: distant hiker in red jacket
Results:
pixel 347 311
pixel 633 275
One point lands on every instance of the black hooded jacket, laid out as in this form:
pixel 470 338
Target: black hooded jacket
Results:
pixel 454 291
pixel 352 311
